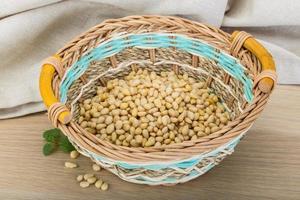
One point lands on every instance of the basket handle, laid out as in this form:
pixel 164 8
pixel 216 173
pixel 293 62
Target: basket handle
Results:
pixel 267 78
pixel 48 69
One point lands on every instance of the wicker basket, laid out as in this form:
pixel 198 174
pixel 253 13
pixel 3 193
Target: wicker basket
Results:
pixel 239 70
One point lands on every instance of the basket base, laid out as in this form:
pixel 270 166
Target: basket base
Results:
pixel 166 174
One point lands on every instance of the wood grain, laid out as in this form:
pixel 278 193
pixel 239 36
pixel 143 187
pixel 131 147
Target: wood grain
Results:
pixel 266 164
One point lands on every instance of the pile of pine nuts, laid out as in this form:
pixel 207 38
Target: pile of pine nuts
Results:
pixel 146 109
pixel 87 179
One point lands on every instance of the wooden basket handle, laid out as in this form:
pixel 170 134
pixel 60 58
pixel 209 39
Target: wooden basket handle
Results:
pixel 267 81
pixel 48 69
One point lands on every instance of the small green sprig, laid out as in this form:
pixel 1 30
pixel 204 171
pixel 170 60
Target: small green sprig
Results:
pixel 55 139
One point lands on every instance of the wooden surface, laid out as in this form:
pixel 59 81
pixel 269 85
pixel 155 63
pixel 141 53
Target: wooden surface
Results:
pixel 266 164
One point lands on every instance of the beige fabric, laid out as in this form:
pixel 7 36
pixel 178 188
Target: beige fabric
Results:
pixel 262 13
pixel 33 30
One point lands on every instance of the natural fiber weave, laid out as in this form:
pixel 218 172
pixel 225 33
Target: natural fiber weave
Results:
pixel 173 163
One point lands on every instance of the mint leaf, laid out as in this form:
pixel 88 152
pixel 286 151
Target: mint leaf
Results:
pixel 65 145
pixel 52 135
pixel 48 149
pixel 55 138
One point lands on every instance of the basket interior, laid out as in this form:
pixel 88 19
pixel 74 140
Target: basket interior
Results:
pixel 213 66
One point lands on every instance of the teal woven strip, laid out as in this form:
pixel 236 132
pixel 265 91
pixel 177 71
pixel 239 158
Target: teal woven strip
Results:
pixel 156 40
pixel 169 180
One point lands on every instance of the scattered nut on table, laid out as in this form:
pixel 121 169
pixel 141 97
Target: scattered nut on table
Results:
pixel 104 186
pixel 86 176
pixel 74 154
pixel 84 184
pixel 70 165
pixel 79 178
pixel 98 183
pixel 92 180
pixel 96 167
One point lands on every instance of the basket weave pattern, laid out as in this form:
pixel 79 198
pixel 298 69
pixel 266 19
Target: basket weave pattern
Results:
pixel 174 163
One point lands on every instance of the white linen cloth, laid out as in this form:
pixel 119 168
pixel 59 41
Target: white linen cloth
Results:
pixel 32 30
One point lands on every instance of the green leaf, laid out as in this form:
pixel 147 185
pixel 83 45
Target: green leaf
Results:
pixel 65 145
pixel 48 149
pixel 54 138
pixel 52 135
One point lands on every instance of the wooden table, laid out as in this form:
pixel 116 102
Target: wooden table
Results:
pixel 266 164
